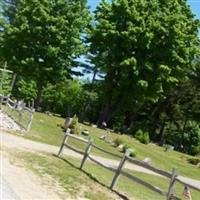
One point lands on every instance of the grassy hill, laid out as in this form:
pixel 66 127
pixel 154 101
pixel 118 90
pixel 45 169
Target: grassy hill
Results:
pixel 46 129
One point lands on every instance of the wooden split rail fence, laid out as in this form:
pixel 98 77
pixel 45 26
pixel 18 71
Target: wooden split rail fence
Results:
pixel 21 115
pixel 173 177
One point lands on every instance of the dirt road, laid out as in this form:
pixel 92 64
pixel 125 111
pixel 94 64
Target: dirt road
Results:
pixel 13 141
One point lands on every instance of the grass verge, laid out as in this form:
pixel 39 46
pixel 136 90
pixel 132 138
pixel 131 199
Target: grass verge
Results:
pixel 93 182
pixel 45 129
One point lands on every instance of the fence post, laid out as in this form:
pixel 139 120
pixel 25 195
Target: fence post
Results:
pixel 87 151
pixel 64 141
pixel 20 115
pixel 120 166
pixel 170 193
pixel 31 119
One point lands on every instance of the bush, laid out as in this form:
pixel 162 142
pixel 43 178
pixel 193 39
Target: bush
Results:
pixel 141 136
pixel 27 90
pixel 5 85
pixel 126 147
pixel 168 147
pixel 195 150
pixel 118 141
pixel 191 141
pixel 194 161
pixel 133 153
pixel 75 129
pixel 118 124
pixel 56 97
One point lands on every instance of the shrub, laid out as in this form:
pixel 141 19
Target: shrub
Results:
pixel 168 147
pixel 133 153
pixel 126 147
pixel 118 124
pixel 194 161
pixel 26 89
pixel 141 136
pixel 191 141
pixel 118 141
pixel 75 129
pixel 195 150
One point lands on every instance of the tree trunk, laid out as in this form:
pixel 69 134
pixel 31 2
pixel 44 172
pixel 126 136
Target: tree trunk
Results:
pixel 105 114
pixel 162 134
pixel 39 96
pixel 155 121
pixel 106 108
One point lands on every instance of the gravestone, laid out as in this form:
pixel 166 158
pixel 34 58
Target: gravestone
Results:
pixel 67 123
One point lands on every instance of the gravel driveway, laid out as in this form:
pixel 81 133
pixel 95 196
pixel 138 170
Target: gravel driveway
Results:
pixel 13 141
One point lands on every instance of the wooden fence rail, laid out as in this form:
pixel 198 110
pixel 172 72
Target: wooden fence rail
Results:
pixel 149 167
pixel 173 177
pixel 23 116
pixel 103 150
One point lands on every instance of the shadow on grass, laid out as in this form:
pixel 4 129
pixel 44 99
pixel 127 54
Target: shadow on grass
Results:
pixel 92 177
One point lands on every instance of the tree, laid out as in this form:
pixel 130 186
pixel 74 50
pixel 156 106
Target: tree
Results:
pixel 41 38
pixel 26 90
pixel 63 97
pixel 145 48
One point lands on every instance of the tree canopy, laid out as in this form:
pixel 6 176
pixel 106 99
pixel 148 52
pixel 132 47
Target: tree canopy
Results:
pixel 144 47
pixel 42 38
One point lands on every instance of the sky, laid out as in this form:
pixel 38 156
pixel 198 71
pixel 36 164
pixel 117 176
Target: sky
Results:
pixel 195 5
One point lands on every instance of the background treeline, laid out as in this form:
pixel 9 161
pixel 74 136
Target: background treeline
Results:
pixel 142 56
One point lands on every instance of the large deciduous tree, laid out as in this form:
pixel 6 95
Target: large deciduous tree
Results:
pixel 145 48
pixel 41 38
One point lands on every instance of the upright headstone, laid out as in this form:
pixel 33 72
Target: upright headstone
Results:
pixel 67 123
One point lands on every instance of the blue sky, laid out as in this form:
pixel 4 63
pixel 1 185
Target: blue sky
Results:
pixel 195 5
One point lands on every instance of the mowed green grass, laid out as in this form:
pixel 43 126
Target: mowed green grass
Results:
pixel 92 183
pixel 47 129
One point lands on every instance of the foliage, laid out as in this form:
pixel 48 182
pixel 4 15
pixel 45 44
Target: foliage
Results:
pixel 70 97
pixel 88 104
pixel 145 48
pixel 133 153
pixel 5 83
pixel 63 97
pixel 148 52
pixel 142 136
pixel 27 90
pixel 144 53
pixel 41 39
pixel 194 150
pixel 167 147
pixel 127 147
pixel 194 161
pixel 75 128
pixel 117 141
pixel 191 143
pixel 118 124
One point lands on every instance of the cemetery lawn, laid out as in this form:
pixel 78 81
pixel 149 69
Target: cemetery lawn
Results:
pixel 46 129
pixel 93 182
